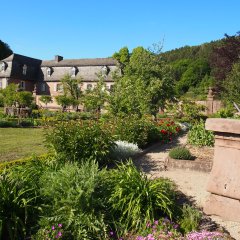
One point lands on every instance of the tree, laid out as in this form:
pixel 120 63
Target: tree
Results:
pixel 123 57
pixel 24 98
pixel 10 94
pixel 193 76
pixel 232 85
pixel 72 91
pixel 5 50
pixel 224 56
pixel 144 86
pixel 46 99
pixel 64 101
pixel 94 99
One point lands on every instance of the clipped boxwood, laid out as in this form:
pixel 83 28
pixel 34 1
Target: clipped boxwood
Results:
pixel 181 153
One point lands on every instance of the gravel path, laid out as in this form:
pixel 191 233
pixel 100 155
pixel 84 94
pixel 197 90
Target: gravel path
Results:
pixel 191 183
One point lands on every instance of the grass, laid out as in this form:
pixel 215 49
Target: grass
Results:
pixel 16 143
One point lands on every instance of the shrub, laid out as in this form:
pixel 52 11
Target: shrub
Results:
pixel 78 141
pixel 224 113
pixel 180 153
pixel 135 199
pixel 20 202
pixel 134 130
pixel 199 136
pixel 70 198
pixel 167 129
pixel 142 131
pixel 190 219
pixel 7 123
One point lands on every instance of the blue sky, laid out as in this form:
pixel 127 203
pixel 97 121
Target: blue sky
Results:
pixel 92 28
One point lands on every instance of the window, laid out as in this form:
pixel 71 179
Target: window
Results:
pixel 73 71
pixel 105 70
pixel 58 87
pixel 3 66
pixel 89 86
pixel 24 69
pixel 43 87
pixel 49 72
pixel 22 85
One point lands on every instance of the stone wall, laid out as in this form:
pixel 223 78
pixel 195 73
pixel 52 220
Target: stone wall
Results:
pixel 212 106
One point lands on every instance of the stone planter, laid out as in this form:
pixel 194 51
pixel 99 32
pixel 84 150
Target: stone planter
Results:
pixel 202 166
pixel 224 181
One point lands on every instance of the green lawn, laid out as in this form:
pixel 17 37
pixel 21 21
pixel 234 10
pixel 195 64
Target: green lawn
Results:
pixel 17 143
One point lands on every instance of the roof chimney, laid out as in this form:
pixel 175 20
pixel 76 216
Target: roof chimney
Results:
pixel 58 58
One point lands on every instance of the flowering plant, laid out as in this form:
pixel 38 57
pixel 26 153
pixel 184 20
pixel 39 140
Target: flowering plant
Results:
pixel 159 229
pixel 54 232
pixel 204 235
pixel 167 129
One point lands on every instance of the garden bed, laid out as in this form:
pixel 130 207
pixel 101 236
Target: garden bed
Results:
pixel 202 162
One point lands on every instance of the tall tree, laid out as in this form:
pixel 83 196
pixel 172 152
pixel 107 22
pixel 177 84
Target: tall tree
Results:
pixel 123 57
pixel 5 50
pixel 232 85
pixel 144 86
pixel 224 56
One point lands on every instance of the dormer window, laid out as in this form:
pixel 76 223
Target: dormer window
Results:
pixel 24 69
pixel 49 72
pixel 3 66
pixel 105 70
pixel 73 71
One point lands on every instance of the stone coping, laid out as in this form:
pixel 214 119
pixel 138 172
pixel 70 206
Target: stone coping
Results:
pixel 196 165
pixel 223 125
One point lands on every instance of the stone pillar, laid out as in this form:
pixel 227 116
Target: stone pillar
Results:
pixel 210 97
pixel 224 181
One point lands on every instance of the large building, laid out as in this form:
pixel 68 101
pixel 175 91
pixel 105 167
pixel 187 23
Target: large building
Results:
pixel 43 76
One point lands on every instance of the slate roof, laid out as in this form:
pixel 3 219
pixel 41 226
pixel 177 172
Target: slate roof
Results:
pixel 80 62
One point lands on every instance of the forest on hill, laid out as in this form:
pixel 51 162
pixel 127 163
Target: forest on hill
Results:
pixel 212 64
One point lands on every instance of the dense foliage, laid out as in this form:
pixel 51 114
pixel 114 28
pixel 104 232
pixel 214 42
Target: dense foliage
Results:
pixel 14 96
pixel 199 136
pixel 5 50
pixel 144 86
pixel 197 68
pixel 79 141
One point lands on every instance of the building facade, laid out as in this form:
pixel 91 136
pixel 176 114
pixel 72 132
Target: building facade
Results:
pixel 42 77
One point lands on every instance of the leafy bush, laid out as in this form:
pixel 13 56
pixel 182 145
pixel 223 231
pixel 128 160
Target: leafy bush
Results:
pixel 167 129
pixel 70 198
pixel 142 131
pixel 190 219
pixel 224 113
pixel 133 130
pixel 199 136
pixel 7 123
pixel 135 199
pixel 78 141
pixel 180 153
pixel 19 202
